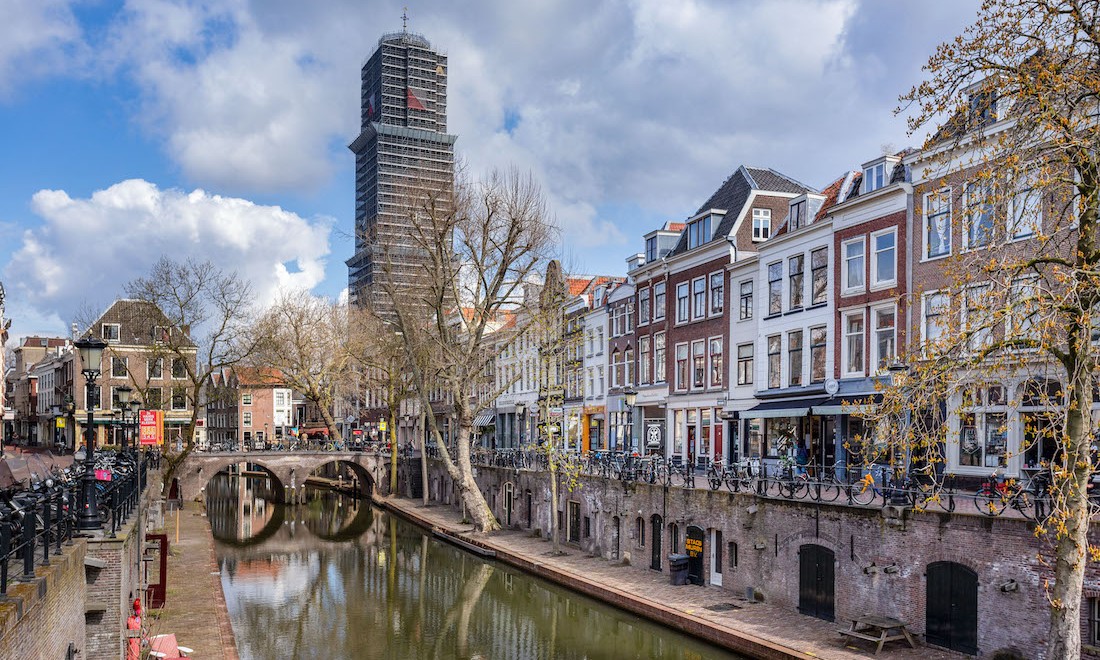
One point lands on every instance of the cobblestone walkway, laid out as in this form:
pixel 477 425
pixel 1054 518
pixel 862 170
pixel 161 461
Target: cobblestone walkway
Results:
pixel 803 635
pixel 195 610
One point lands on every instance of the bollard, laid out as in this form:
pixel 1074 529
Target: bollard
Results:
pixel 114 512
pixel 46 523
pixel 60 517
pixel 28 543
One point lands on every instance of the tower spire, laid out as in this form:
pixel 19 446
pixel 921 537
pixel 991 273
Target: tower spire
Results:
pixel 405 20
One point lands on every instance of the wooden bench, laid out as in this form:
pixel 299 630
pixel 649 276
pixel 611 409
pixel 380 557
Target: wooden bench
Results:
pixel 878 629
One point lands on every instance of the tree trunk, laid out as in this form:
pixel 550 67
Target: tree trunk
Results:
pixel 555 533
pixel 1071 547
pixel 393 452
pixel 330 423
pixel 423 459
pixel 476 506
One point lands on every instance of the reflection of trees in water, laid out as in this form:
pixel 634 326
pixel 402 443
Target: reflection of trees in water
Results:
pixel 242 509
pixel 328 514
pixel 394 593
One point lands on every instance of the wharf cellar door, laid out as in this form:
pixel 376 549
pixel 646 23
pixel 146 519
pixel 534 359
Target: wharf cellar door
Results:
pixel 693 547
pixel 951 607
pixel 657 531
pixel 816 581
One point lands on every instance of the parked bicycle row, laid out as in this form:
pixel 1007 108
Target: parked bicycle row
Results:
pixel 872 485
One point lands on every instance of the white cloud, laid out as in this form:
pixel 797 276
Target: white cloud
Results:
pixel 87 249
pixel 35 38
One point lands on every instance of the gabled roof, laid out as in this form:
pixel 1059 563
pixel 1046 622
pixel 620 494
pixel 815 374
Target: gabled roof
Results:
pixel 734 192
pixel 259 376
pixel 137 319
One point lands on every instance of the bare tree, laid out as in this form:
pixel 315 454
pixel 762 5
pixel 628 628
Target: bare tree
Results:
pixel 1020 90
pixel 478 245
pixel 306 339
pixel 207 309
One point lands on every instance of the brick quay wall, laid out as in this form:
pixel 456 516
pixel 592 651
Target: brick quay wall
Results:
pixel 880 556
pixel 41 617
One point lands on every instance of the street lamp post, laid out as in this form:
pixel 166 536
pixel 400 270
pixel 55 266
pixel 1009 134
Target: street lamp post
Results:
pixel 91 357
pixel 520 421
pixel 630 397
pixel 124 393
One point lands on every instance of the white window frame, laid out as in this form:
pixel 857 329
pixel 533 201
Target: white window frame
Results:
pixel 681 380
pixel 700 348
pixel 149 369
pixel 246 399
pixel 659 310
pixel 660 364
pixel 847 336
pixel 1025 188
pixel 876 357
pixel 748 373
pixel 846 265
pixel 246 418
pixel 945 194
pixel 1019 295
pixel 644 307
pixel 879 170
pixel 877 283
pixel 699 311
pixel 683 313
pixel 971 205
pixel 125 367
pixel 720 290
pixel 710 362
pixel 924 305
pixel 791 366
pixel 741 310
pixel 107 335
pixel 761 225
pixel 985 335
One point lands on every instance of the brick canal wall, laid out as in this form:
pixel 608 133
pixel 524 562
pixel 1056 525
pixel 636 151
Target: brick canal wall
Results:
pixel 41 617
pixel 880 557
pixel 112 588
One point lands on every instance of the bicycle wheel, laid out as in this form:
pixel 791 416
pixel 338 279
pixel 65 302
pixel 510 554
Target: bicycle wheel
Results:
pixel 862 493
pixel 1024 502
pixel 989 502
pixel 827 491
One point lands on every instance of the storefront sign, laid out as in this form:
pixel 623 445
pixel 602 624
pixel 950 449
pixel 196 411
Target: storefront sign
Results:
pixel 152 427
pixel 654 434
pixel 694 547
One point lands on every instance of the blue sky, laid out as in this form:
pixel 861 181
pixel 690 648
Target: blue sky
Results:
pixel 218 130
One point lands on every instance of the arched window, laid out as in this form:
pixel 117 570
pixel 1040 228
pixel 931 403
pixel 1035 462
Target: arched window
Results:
pixel 674 537
pixel 639 531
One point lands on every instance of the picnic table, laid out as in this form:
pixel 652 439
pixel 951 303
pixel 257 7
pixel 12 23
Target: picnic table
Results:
pixel 878 629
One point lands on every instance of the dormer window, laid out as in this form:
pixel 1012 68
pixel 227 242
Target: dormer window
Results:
pixel 111 332
pixel 983 108
pixel 651 249
pixel 874 177
pixel 699 232
pixel 798 215
pixel 761 224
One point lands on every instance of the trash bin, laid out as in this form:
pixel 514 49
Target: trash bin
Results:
pixel 678 570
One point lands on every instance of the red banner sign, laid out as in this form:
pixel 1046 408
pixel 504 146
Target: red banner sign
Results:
pixel 152 427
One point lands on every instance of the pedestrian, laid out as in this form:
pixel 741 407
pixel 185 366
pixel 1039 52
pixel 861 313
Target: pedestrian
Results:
pixel 133 624
pixel 801 458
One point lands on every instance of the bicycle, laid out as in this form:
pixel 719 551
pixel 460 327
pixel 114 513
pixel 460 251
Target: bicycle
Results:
pixel 1000 493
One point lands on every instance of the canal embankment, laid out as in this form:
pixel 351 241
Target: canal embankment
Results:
pixel 195 610
pixel 756 629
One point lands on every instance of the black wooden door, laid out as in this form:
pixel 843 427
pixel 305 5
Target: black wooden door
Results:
pixel 951 607
pixel 693 546
pixel 527 495
pixel 657 529
pixel 815 581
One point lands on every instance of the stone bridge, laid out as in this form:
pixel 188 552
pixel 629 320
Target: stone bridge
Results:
pixel 288 469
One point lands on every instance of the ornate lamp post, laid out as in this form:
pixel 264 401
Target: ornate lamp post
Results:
pixel 630 397
pixel 520 421
pixel 91 357
pixel 124 393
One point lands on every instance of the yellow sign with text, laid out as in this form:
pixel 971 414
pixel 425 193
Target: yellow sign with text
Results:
pixel 694 547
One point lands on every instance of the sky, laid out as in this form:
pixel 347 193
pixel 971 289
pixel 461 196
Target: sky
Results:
pixel 218 129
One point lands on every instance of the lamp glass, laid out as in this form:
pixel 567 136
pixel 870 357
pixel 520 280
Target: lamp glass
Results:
pixel 520 408
pixel 124 396
pixel 135 406
pixel 630 395
pixel 91 352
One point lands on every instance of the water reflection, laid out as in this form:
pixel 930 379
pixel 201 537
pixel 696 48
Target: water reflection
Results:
pixel 338 579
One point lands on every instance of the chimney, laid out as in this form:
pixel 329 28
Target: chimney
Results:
pixel 75 332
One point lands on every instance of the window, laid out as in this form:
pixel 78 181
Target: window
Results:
pixel 775 344
pixel 651 249
pixel 644 365
pixel 616 368
pixel 819 275
pixel 983 428
pixel 853 265
pixel 643 306
pixel 179 368
pixel 717 293
pixel 681 366
pixel 716 366
pixel 115 403
pixel 698 364
pixel 599 341
pixel 853 343
pixel 659 301
pixel 884 258
pixel 794 357
pixel 744 364
pixel 1092 612
pixel 153 398
pixel 935 307
pixel 761 224
pixel 874 177
pixel 659 364
pixel 775 288
pixel 154 369
pixel 1023 313
pixel 698 232
pixel 974 309
pixel 628 360
pixel 979 216
pixel 937 224
pixel 591 342
pixel 246 418
pixel 699 297
pixel 179 398
pixel 682 302
pixel 111 331
pixel 795 267
pixel 246 399
pixel 817 354
pixel 118 367
pixel 1025 212
pixel 885 338
pixel 745 308
pixel 639 531
pixel 599 381
pixel 798 215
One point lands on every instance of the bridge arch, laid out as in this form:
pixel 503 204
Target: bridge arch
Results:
pixel 289 469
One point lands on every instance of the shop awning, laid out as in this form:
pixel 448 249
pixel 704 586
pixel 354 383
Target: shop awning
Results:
pixel 849 405
pixel 485 418
pixel 783 408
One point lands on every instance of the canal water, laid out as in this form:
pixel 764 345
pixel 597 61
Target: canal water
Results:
pixel 338 578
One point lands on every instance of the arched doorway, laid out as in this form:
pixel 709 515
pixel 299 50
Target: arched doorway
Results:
pixel 656 532
pixel 816 581
pixel 508 498
pixel 951 607
pixel 693 547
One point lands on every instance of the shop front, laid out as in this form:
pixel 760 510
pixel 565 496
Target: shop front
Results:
pixel 791 428
pixel 698 435
pixel 594 436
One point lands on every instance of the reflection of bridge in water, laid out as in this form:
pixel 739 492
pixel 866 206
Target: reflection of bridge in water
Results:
pixel 242 515
pixel 288 470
